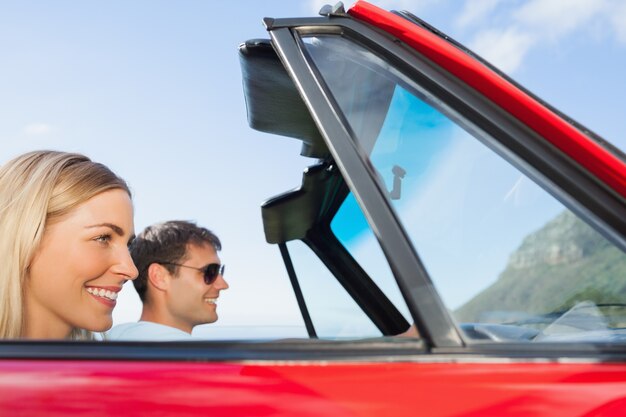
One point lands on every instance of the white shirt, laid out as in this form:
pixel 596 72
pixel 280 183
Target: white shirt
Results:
pixel 146 331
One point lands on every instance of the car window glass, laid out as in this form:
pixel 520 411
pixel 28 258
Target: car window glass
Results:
pixel 333 312
pixel 351 228
pixel 510 261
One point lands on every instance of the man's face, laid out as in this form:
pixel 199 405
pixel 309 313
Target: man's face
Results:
pixel 190 300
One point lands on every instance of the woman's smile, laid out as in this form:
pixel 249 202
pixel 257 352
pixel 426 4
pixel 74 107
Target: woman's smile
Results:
pixel 86 250
pixel 105 295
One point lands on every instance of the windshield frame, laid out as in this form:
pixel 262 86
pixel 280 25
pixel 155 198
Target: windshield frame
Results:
pixel 513 140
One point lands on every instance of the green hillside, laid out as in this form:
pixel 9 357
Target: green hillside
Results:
pixel 564 262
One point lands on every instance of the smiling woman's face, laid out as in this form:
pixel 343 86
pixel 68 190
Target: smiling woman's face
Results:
pixel 80 267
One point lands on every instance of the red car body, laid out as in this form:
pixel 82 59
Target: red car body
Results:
pixel 312 388
pixel 291 378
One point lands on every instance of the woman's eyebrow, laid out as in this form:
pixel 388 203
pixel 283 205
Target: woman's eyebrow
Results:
pixel 118 230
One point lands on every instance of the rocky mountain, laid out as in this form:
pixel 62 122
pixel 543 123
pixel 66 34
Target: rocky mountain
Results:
pixel 564 262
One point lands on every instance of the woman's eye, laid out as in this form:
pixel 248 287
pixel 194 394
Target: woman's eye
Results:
pixel 103 239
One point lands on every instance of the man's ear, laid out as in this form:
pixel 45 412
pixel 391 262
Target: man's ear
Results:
pixel 159 277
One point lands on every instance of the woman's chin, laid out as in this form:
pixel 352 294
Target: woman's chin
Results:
pixel 100 326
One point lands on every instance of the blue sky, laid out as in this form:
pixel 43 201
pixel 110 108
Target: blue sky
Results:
pixel 153 89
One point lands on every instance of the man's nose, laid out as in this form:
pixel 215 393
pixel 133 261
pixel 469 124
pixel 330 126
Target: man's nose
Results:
pixel 220 283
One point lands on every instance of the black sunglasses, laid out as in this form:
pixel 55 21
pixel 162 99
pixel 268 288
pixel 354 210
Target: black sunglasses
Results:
pixel 210 272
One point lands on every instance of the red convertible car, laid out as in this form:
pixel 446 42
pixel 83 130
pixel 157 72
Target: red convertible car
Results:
pixel 456 248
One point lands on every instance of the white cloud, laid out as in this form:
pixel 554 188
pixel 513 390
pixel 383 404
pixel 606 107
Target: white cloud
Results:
pixel 474 11
pixel 618 19
pixel 507 39
pixel 556 18
pixel 38 129
pixel 505 49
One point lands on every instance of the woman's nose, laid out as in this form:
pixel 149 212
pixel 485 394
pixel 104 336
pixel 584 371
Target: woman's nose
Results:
pixel 126 266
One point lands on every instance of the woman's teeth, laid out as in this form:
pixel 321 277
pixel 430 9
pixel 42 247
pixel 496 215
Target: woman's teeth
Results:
pixel 101 292
pixel 210 300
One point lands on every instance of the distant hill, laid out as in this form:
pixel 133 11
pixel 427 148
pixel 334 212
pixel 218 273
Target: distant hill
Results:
pixel 564 262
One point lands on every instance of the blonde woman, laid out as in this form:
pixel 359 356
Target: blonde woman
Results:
pixel 65 226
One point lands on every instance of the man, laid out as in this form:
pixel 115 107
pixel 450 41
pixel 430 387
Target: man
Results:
pixel 179 282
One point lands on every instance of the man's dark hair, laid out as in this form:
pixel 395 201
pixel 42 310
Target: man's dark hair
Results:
pixel 166 242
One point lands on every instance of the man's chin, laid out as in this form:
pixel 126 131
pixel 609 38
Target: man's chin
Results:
pixel 211 320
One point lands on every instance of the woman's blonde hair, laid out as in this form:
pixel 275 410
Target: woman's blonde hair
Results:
pixel 36 189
